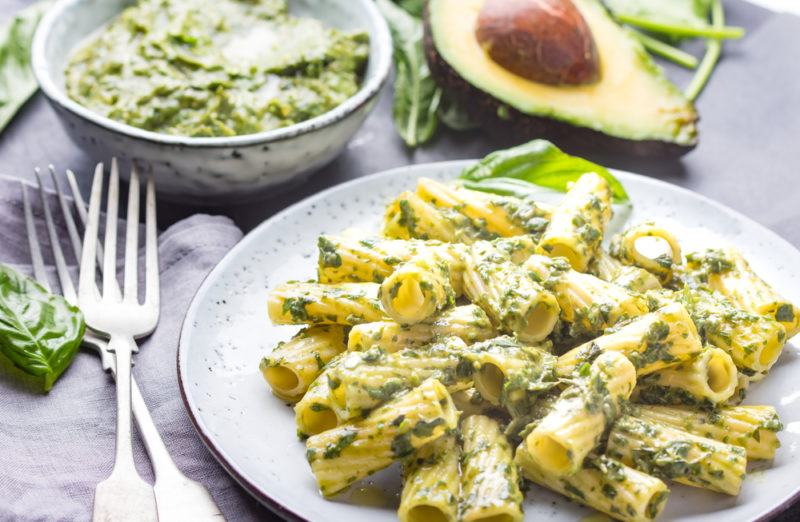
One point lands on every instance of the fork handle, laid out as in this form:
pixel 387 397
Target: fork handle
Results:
pixel 123 346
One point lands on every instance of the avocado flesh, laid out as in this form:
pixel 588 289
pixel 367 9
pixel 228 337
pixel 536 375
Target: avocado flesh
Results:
pixel 633 102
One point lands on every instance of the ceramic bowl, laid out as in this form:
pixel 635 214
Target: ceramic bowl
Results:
pixel 217 170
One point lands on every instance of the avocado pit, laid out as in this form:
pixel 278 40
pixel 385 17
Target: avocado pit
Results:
pixel 547 41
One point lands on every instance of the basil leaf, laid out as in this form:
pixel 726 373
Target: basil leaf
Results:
pixel 538 162
pixel 416 95
pixel 17 82
pixel 414 7
pixel 40 333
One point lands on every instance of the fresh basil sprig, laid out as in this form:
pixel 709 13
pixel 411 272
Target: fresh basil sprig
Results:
pixel 17 82
pixel 673 18
pixel 538 162
pixel 40 333
pixel 416 95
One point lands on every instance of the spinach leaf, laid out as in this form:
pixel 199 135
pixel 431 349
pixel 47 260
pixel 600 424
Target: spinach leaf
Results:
pixel 17 83
pixel 414 7
pixel 416 96
pixel 677 18
pixel 40 333
pixel 538 162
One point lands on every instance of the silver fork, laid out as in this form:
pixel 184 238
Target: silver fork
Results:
pixel 177 496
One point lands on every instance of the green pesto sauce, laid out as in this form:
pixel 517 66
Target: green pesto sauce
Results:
pixel 215 68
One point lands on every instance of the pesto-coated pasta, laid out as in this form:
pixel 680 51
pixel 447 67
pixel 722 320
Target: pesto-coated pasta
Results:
pixel 633 278
pixel 753 428
pixel 352 451
pixel 292 366
pixel 631 248
pixel 753 341
pixel 604 484
pixel 314 303
pixel 471 402
pixel 578 223
pixel 727 271
pixel 660 339
pixel 314 412
pixel 514 302
pixel 469 323
pixel 572 429
pixel 670 453
pixel 588 303
pixel 707 380
pixel 419 288
pixel 431 483
pixel 364 380
pixel 489 479
pixel 510 374
pixel 410 217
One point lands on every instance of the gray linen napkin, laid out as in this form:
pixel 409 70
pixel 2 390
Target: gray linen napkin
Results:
pixel 55 448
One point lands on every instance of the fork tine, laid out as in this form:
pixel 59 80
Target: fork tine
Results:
pixel 67 288
pixel 33 241
pixel 132 239
pixel 151 247
pixel 72 230
pixel 87 286
pixel 110 242
pixel 80 204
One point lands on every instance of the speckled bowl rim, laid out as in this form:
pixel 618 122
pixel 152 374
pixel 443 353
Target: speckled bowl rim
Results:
pixel 380 39
pixel 219 454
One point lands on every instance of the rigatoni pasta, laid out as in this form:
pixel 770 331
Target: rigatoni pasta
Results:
pixel 314 303
pixel 489 478
pixel 578 223
pixel 431 482
pixel 352 451
pixel 292 366
pixel 665 251
pixel 565 436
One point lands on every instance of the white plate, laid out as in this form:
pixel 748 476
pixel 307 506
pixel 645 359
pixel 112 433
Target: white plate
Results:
pixel 252 433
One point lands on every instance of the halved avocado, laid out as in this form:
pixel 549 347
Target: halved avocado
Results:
pixel 631 108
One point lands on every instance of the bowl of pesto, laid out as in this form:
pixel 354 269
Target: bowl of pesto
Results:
pixel 222 100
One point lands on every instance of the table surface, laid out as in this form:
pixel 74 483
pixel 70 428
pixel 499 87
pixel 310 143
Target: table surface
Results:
pixel 745 158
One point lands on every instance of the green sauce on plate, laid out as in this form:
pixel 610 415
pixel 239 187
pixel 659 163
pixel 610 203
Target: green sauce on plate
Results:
pixel 215 67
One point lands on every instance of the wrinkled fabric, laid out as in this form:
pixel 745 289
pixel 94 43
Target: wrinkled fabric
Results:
pixel 56 447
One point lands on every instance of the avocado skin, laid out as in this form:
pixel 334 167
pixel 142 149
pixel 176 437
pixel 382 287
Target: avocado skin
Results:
pixel 518 126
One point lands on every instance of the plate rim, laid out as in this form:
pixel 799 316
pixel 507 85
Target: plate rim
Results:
pixel 258 492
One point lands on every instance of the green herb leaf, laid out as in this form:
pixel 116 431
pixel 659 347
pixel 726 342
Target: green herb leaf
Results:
pixel 416 96
pixel 40 333
pixel 454 116
pixel 538 162
pixel 676 18
pixel 414 7
pixel 17 83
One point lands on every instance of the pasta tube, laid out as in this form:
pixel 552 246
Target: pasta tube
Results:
pixel 581 414
pixel 578 222
pixel 364 380
pixel 588 303
pixel 657 340
pixel 409 217
pixel 430 483
pixel 509 374
pixel 292 366
pixel 314 412
pixel 471 402
pixel 418 288
pixel 604 484
pixel 489 478
pixel 469 323
pixel 709 379
pixel 633 278
pixel 350 452
pixel 727 271
pixel 491 216
pixel 674 454
pixel 629 248
pixel 515 302
pixel 753 428
pixel 313 303
pixel 753 341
